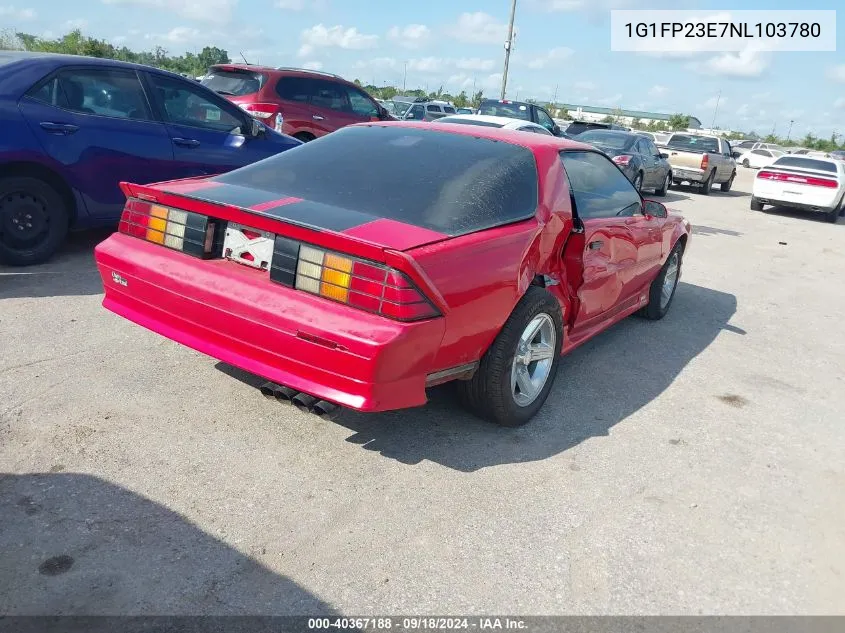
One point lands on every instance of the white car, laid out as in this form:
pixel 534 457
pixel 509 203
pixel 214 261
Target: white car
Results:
pixel 488 120
pixel 812 184
pixel 758 158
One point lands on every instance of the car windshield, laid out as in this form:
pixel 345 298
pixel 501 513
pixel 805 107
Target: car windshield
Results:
pixel 578 127
pixel 234 83
pixel 614 140
pixel 694 143
pixel 509 110
pixel 805 163
pixel 464 110
pixel 401 107
pixel 450 183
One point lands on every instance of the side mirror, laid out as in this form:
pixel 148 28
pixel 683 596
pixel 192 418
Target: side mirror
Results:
pixel 253 128
pixel 555 129
pixel 664 155
pixel 410 115
pixel 654 209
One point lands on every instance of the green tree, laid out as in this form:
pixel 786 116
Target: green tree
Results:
pixel 679 121
pixel 770 138
pixel 477 98
pixel 211 55
pixel 636 123
pixel 809 140
pixel 607 119
pixel 564 114
pixel 462 101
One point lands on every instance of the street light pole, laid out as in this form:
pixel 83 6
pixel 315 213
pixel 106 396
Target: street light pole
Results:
pixel 789 133
pixel 508 46
pixel 715 110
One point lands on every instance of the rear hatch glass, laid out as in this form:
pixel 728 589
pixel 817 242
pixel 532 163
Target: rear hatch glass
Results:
pixel 582 126
pixel 688 142
pixel 450 183
pixel 234 83
pixel 509 110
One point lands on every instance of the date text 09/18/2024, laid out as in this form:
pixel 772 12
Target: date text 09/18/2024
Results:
pixel 418 623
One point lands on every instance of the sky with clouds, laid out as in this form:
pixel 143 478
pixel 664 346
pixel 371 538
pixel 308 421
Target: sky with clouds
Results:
pixel 562 48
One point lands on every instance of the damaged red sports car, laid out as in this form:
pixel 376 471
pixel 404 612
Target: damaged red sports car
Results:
pixel 359 269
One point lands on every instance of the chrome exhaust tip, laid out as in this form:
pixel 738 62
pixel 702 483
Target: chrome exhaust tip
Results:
pixel 304 402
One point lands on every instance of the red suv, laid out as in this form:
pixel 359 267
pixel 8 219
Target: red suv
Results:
pixel 303 103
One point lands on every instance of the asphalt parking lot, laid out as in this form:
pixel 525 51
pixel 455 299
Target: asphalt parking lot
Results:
pixel 692 465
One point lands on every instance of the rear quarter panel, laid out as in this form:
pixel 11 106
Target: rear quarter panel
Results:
pixel 482 276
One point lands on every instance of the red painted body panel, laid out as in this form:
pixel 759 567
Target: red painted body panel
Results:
pixel 236 314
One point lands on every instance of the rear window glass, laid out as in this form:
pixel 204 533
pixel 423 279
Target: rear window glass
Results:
pixel 615 140
pixel 694 143
pixel 448 109
pixel 478 122
pixel 805 163
pixel 449 183
pixel 234 83
pixel 509 110
pixel 579 127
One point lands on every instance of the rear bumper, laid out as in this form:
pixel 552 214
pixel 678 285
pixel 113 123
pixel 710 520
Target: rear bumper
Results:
pixel 684 173
pixel 810 199
pixel 237 315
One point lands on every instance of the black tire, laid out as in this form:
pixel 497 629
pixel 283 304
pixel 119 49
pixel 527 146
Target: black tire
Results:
pixel 666 183
pixel 304 136
pixel 707 185
pixel 756 205
pixel 832 216
pixel 746 163
pixel 36 206
pixel 726 186
pixel 488 394
pixel 655 309
pixel 638 181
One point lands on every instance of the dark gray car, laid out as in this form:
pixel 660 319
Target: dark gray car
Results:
pixel 637 156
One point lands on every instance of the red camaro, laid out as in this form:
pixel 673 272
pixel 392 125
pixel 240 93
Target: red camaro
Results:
pixel 364 267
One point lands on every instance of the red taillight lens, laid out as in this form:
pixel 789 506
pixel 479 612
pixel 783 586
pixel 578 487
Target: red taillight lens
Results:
pixel 622 160
pixel 180 230
pixel 705 160
pixel 812 181
pixel 345 279
pixel 261 110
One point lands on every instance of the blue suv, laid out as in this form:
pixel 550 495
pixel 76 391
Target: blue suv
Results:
pixel 74 127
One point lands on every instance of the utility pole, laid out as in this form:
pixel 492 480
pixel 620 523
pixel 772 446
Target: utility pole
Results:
pixel 554 99
pixel 774 126
pixel 715 110
pixel 404 77
pixel 789 133
pixel 508 46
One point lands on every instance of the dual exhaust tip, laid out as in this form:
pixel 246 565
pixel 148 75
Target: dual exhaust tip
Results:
pixel 302 401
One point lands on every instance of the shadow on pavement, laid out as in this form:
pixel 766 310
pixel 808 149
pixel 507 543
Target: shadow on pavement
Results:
pixel 69 272
pixel 74 544
pixel 700 229
pixel 800 214
pixel 599 384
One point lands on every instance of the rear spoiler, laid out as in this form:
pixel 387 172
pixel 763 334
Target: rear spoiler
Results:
pixel 259 219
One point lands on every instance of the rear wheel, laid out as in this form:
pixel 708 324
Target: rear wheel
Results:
pixel 746 163
pixel 638 182
pixel 516 373
pixel 666 183
pixel 662 289
pixel 756 205
pixel 33 220
pixel 304 136
pixel 707 185
pixel 726 186
pixel 832 216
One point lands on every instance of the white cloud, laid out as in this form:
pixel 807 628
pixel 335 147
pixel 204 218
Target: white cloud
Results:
pixel 584 86
pixel 475 63
pixel 428 64
pixel 219 11
pixel 321 36
pixel 742 111
pixel 411 36
pixel 17 14
pixel 478 28
pixel 119 40
pixel 554 56
pixel 314 65
pixel 837 73
pixel 379 63
pixel 711 103
pixel 658 90
pixel 612 100
pixel 176 35
pixel 72 25
pixel 747 63
pixel 290 5
pixel 839 103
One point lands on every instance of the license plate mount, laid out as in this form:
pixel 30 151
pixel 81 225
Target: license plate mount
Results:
pixel 248 246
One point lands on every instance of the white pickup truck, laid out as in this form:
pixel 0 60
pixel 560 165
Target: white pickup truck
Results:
pixel 701 160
